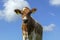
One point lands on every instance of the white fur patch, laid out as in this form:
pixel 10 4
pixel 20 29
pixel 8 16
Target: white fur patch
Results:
pixel 25 36
pixel 24 18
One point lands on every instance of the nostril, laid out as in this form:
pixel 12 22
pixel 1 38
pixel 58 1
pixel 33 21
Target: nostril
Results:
pixel 25 21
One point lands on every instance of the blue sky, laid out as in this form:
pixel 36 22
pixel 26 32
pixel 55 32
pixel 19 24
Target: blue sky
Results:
pixel 47 14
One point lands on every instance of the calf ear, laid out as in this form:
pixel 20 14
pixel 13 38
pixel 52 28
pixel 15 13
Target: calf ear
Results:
pixel 33 10
pixel 17 11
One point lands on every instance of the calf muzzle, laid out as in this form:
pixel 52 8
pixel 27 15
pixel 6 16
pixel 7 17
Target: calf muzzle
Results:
pixel 25 21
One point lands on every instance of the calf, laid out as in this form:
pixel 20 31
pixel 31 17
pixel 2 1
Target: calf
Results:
pixel 30 28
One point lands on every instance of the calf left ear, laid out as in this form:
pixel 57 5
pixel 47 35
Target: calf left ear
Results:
pixel 17 11
pixel 33 10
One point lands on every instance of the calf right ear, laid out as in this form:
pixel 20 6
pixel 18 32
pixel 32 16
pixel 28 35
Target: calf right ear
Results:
pixel 17 11
pixel 33 10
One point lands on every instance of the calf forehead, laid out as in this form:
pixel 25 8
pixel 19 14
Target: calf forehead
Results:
pixel 25 10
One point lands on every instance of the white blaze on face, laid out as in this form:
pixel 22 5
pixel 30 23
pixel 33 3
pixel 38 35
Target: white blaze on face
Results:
pixel 24 18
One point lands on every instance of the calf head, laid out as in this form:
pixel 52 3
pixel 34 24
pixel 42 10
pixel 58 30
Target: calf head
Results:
pixel 26 12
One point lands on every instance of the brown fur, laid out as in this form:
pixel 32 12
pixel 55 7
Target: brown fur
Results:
pixel 31 25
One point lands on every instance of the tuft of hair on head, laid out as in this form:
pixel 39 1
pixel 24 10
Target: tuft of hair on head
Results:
pixel 25 8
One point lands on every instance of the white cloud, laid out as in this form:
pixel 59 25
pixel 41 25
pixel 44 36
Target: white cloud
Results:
pixel 55 2
pixel 49 27
pixel 9 7
pixel 1 14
